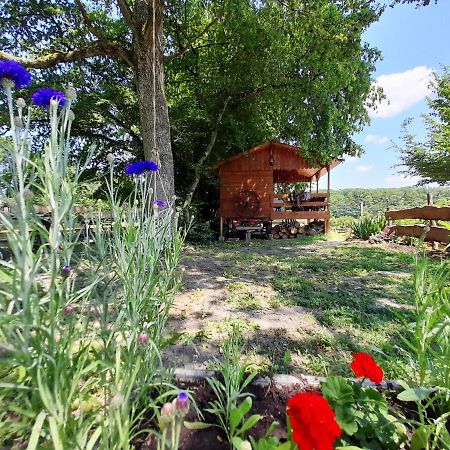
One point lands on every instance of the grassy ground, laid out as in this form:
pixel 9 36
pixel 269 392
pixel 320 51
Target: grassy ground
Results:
pixel 304 305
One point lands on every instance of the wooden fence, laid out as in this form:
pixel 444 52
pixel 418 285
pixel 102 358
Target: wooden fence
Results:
pixel 432 232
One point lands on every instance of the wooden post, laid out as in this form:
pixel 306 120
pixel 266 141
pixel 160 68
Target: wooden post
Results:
pixel 317 184
pixel 389 222
pixel 310 185
pixel 221 237
pixel 327 221
pixel 432 222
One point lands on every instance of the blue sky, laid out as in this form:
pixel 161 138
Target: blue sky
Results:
pixel 413 42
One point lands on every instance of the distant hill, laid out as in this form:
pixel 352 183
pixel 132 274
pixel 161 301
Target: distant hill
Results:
pixel 347 202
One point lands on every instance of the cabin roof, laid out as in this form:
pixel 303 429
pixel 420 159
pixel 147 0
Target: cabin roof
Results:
pixel 305 169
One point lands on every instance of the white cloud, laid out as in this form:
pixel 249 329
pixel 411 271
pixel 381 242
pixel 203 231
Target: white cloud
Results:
pixel 395 181
pixel 376 139
pixel 363 168
pixel 402 90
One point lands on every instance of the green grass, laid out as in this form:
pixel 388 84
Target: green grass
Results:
pixel 353 296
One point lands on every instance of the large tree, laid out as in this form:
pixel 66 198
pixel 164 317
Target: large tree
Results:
pixel 430 159
pixel 65 31
pixel 238 72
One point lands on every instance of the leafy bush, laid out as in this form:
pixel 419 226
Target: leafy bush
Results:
pixel 200 232
pixel 343 223
pixel 367 226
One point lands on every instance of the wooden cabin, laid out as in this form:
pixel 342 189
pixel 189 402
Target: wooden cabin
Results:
pixel 247 186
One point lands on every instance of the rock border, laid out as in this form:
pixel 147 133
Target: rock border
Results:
pixel 281 380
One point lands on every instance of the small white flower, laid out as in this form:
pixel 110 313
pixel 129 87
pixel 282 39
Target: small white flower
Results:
pixel 110 157
pixel 20 102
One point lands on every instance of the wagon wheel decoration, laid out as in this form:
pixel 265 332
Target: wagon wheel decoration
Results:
pixel 247 203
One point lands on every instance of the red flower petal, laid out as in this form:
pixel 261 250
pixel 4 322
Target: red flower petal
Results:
pixel 313 422
pixel 364 366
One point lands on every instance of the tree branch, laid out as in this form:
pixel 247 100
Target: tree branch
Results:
pixel 200 162
pixel 51 59
pixel 127 15
pixel 134 136
pixel 116 49
pixel 188 47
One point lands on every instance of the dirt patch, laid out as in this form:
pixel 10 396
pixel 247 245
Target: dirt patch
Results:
pixel 286 298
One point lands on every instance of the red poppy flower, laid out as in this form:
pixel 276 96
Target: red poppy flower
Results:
pixel 313 422
pixel 365 366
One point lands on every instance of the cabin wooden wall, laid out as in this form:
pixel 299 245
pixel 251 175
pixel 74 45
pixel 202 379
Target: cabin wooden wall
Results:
pixel 253 171
pixel 234 182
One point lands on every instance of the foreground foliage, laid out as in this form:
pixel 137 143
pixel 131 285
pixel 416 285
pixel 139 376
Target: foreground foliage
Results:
pixel 82 308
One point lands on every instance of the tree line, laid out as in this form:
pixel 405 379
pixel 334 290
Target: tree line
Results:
pixel 347 202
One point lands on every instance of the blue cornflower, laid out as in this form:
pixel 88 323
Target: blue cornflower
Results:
pixel 161 204
pixel 151 166
pixel 43 96
pixel 140 167
pixel 12 70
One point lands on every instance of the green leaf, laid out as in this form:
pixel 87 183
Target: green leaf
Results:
pixel 337 391
pixel 415 394
pixel 197 425
pixel 93 440
pixel 54 432
pixel 235 418
pixel 237 442
pixel 249 423
pixel 245 406
pixel 419 439
pixel 34 437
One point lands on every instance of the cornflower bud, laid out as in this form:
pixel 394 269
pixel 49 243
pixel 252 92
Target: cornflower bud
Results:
pixel 167 414
pixel 117 401
pixel 71 92
pixel 110 157
pixel 20 103
pixel 66 270
pixel 182 404
pixel 18 122
pixel 69 310
pixel 426 228
pixel 28 194
pixel 245 445
pixel 143 339
pixel 71 116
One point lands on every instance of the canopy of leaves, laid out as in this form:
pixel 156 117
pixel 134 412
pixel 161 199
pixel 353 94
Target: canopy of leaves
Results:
pixel 291 70
pixel 430 159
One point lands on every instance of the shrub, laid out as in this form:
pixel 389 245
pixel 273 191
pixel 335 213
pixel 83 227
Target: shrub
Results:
pixel 343 223
pixel 367 226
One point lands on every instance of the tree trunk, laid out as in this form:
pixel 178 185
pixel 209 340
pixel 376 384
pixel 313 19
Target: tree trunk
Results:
pixel 154 115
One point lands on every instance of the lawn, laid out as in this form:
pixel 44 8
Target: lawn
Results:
pixel 304 305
